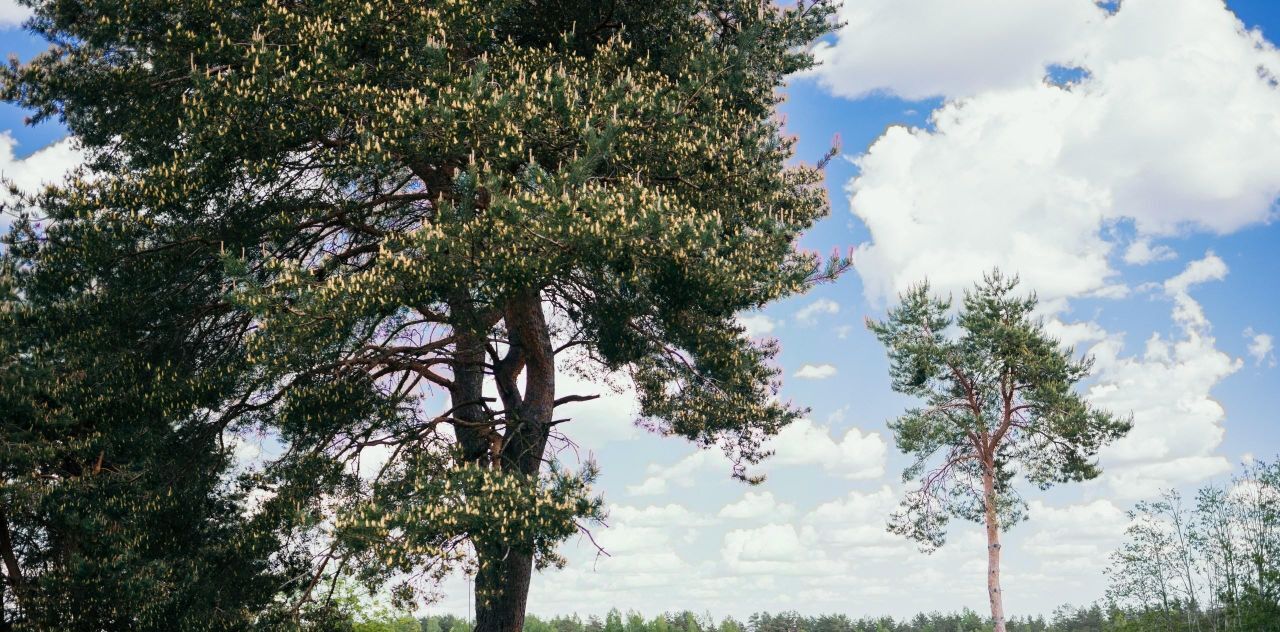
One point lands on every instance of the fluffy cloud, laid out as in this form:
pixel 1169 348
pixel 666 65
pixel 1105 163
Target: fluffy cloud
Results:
pixel 918 48
pixel 756 505
pixel 12 14
pixel 683 473
pixel 669 515
pixel 1088 531
pixel 757 325
pixel 815 371
pixel 809 314
pixel 854 525
pixel 1261 347
pixel 45 166
pixel 1177 425
pixel 855 456
pixel 1175 128
pixel 1142 252
pixel 774 549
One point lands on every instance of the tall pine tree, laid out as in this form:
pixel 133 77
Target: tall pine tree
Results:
pixel 999 400
pixel 370 206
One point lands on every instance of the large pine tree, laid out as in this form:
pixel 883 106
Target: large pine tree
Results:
pixel 370 206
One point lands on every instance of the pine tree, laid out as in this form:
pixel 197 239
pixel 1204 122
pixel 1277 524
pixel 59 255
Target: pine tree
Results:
pixel 345 209
pixel 113 510
pixel 999 400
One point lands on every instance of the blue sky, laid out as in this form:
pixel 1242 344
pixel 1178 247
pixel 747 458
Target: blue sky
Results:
pixel 1138 199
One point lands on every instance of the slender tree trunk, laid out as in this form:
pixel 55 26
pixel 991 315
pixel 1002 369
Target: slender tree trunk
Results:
pixel 993 547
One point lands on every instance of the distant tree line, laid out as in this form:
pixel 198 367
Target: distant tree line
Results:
pixel 1066 619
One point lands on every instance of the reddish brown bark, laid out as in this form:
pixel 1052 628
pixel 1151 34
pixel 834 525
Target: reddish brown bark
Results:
pixel 993 547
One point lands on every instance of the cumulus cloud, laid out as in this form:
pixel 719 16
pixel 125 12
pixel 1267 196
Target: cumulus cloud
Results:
pixel 682 473
pixel 757 325
pixel 1088 531
pixel 1142 252
pixel 12 14
pixel 815 371
pixel 855 456
pixel 47 165
pixel 1261 347
pixel 1177 424
pixel 854 524
pixel 923 48
pixel 774 549
pixel 757 505
pixel 1175 128
pixel 668 515
pixel 1187 310
pixel 809 314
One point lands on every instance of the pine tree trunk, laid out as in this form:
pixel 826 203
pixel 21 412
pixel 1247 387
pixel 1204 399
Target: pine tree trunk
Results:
pixel 504 580
pixel 12 571
pixel 502 586
pixel 993 548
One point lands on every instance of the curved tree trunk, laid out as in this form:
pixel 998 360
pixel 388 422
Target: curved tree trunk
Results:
pixel 993 548
pixel 506 568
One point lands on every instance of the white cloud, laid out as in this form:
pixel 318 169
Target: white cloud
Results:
pixel 855 456
pixel 1187 310
pixel 1141 252
pixel 756 505
pixel 1088 531
pixel 924 48
pixel 651 486
pixel 1177 128
pixel 1210 268
pixel 682 473
pixel 855 525
pixel 47 165
pixel 669 515
pixel 1177 425
pixel 815 371
pixel 809 314
pixel 774 549
pixel 757 325
pixel 1261 347
pixel 12 14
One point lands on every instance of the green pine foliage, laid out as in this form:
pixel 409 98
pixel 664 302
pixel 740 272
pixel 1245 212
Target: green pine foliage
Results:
pixel 999 399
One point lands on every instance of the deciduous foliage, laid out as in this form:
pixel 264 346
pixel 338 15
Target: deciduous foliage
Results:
pixel 1212 564
pixel 347 217
pixel 998 400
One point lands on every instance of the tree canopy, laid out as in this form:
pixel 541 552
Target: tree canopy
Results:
pixel 377 231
